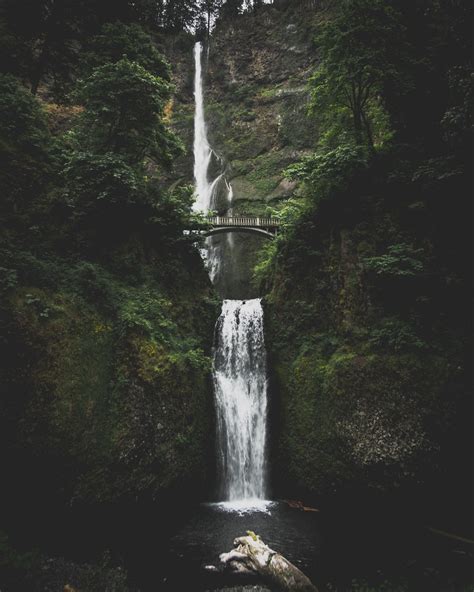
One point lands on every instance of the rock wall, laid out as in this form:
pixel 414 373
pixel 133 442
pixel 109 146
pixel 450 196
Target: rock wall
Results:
pixel 256 99
pixel 257 102
pixel 368 387
pixel 107 386
pixel 256 70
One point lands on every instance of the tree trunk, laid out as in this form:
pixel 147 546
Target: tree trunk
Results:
pixel 357 118
pixel 368 129
pixel 39 69
pixel 252 556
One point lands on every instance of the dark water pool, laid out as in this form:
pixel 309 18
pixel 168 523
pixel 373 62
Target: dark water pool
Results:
pixel 212 529
pixel 387 550
pixel 165 546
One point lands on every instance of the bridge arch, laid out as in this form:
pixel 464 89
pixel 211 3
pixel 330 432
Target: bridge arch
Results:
pixel 265 226
pixel 248 229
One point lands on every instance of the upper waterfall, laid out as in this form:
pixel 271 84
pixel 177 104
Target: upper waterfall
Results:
pixel 202 149
pixel 205 188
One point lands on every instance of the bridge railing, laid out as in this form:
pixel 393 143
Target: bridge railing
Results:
pixel 252 221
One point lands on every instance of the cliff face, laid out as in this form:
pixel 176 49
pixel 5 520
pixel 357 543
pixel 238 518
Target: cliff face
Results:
pixel 255 73
pixel 256 100
pixel 107 383
pixel 365 378
pixel 369 375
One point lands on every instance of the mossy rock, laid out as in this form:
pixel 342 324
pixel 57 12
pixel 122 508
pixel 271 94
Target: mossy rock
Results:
pixel 111 378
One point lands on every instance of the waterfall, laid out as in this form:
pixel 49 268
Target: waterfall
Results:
pixel 240 384
pixel 202 149
pixel 204 188
pixel 239 364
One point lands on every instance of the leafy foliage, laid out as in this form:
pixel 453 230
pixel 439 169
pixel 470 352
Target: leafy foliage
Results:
pixel 396 335
pixel 25 145
pixel 329 170
pixel 358 50
pixel 107 154
pixel 124 106
pixel 400 260
pixel 117 41
pixel 92 179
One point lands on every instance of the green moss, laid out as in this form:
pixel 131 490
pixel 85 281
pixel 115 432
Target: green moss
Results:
pixel 117 374
pixel 348 413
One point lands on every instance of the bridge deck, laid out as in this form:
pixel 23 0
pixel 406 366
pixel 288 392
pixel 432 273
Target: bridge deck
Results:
pixel 244 221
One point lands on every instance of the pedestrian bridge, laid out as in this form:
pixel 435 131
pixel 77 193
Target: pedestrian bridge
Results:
pixel 266 226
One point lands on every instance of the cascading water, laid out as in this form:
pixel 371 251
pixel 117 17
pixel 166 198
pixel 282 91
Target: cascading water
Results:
pixel 240 379
pixel 202 150
pixel 205 189
pixel 240 384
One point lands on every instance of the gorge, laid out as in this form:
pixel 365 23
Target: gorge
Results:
pixel 165 390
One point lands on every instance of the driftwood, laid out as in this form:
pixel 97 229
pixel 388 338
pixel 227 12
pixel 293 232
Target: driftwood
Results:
pixel 297 505
pixel 252 556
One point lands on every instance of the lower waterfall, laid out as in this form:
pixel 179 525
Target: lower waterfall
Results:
pixel 240 386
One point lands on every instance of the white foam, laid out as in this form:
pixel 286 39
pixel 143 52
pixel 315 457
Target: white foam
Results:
pixel 244 506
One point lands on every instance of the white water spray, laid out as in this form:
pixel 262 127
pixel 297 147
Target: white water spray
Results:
pixel 239 371
pixel 240 384
pixel 205 189
pixel 203 153
pixel 202 149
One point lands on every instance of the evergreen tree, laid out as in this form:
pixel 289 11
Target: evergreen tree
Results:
pixel 231 9
pixel 107 155
pixel 46 34
pixel 180 15
pixel 25 145
pixel 118 40
pixel 124 107
pixel 209 9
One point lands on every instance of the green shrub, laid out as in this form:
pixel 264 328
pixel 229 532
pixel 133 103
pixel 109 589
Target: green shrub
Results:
pixel 401 259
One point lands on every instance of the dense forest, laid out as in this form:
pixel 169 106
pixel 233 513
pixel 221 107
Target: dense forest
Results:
pixel 348 121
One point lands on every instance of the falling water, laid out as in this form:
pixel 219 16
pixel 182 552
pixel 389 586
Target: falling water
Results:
pixel 202 150
pixel 240 384
pixel 205 188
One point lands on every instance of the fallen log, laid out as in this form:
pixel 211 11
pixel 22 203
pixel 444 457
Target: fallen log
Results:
pixel 252 556
pixel 297 505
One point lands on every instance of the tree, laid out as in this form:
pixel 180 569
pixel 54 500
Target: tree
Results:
pixel 124 107
pixel 47 34
pixel 209 8
pixel 107 155
pixel 257 5
pixel 25 145
pixel 180 15
pixel 359 48
pixel 118 40
pixel 150 12
pixel 231 9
